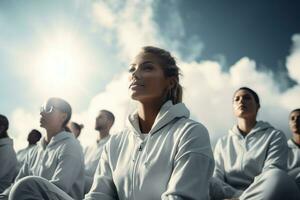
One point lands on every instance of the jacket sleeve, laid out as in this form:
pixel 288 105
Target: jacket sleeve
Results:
pixel 103 186
pixel 70 164
pixel 219 162
pixel 277 152
pixel 7 167
pixel 22 173
pixel 193 166
pixel 219 189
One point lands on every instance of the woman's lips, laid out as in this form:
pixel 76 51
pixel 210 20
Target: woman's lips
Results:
pixel 242 107
pixel 135 85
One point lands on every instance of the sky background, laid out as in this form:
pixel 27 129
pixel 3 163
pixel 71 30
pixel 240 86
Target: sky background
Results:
pixel 80 50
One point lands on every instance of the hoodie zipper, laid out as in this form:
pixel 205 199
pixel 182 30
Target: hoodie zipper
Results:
pixel 137 156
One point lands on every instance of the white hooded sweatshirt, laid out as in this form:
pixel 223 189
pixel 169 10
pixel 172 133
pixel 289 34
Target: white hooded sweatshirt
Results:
pixel 22 154
pixel 174 160
pixel 61 162
pixel 8 163
pixel 294 156
pixel 92 156
pixel 240 159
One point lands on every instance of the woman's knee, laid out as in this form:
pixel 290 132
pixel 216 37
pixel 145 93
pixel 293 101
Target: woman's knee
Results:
pixel 29 183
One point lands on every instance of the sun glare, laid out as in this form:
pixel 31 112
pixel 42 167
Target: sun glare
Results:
pixel 60 64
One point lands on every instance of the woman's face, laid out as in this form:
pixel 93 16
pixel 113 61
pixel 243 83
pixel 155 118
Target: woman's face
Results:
pixel 51 118
pixel 294 122
pixel 244 105
pixel 147 80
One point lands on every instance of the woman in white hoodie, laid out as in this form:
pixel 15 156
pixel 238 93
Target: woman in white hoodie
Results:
pixel 57 159
pixel 250 162
pixel 161 154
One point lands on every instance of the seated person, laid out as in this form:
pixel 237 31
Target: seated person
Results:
pixel 33 137
pixel 58 157
pixel 250 162
pixel 8 159
pixel 92 154
pixel 294 146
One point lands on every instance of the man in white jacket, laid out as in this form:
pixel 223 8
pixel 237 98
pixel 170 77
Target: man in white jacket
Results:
pixel 8 159
pixel 294 146
pixel 92 154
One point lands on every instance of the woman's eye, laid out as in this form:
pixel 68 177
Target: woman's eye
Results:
pixel 131 69
pixel 147 67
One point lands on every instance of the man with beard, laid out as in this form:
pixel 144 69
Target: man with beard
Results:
pixel 92 154
pixel 294 146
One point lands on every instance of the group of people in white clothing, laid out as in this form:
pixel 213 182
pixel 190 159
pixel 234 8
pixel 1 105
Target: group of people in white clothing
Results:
pixel 160 154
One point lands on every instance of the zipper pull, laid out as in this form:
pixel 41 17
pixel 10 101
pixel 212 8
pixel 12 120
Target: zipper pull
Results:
pixel 140 148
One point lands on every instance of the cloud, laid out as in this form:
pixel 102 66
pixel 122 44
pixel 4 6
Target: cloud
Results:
pixel 294 59
pixel 208 89
pixel 22 122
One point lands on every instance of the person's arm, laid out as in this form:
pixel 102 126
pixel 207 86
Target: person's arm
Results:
pixel 22 173
pixel 277 152
pixel 193 166
pixel 70 163
pixel 218 186
pixel 103 185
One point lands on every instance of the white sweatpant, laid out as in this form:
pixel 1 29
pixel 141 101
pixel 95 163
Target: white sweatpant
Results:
pixel 295 174
pixel 36 188
pixel 273 184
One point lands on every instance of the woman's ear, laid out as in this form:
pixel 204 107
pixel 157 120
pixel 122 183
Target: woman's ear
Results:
pixel 172 82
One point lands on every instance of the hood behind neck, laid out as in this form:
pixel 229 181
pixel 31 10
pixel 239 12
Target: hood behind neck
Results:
pixel 6 141
pixel 56 139
pixel 259 126
pixel 167 113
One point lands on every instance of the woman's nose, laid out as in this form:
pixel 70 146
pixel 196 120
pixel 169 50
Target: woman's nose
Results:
pixel 136 74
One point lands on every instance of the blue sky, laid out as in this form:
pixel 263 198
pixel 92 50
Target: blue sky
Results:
pixel 80 50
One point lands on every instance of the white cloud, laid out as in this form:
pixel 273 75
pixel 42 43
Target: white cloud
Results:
pixel 293 61
pixel 22 122
pixel 207 89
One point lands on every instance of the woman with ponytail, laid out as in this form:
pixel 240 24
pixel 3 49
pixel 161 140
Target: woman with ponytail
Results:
pixel 161 154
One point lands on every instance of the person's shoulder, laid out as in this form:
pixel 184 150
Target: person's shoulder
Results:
pixel 273 132
pixel 188 124
pixel 120 135
pixel 188 128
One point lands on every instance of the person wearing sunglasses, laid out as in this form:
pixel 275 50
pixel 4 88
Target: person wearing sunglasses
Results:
pixel 8 159
pixel 162 153
pixel 57 159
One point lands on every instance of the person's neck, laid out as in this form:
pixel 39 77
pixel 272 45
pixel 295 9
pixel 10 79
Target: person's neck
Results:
pixel 103 133
pixel 147 112
pixel 246 125
pixel 296 138
pixel 3 135
pixel 52 133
